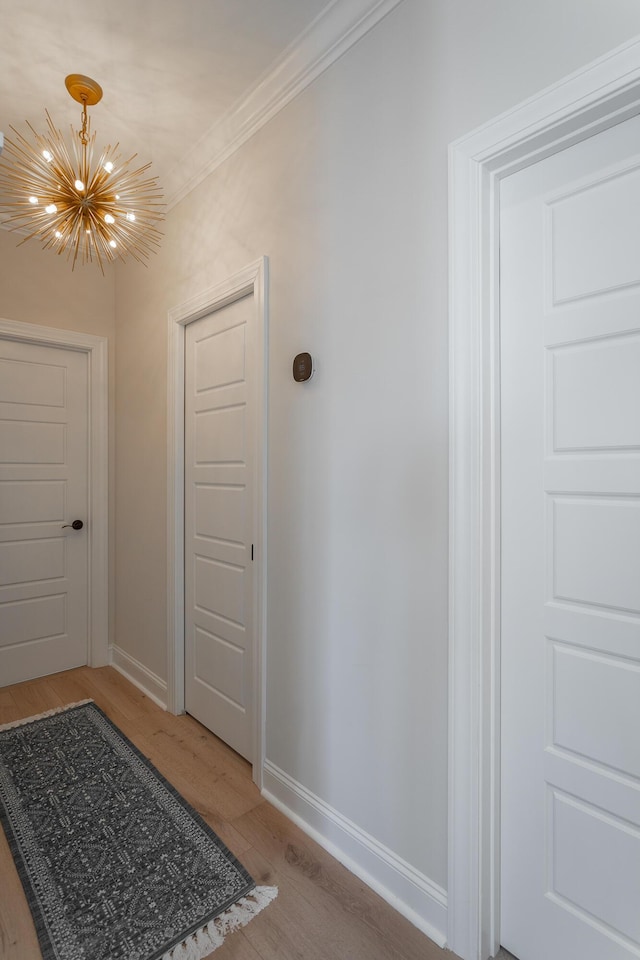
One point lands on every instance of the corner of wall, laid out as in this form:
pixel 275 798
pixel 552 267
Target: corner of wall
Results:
pixel 140 676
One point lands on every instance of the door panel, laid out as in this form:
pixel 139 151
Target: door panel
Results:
pixel 570 613
pixel 588 261
pixel 43 485
pixel 590 848
pixel 581 679
pixel 596 551
pixel 31 502
pixel 219 439
pixel 595 393
pixel 22 561
pixel 38 443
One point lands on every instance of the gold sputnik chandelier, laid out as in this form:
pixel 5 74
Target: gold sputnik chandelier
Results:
pixel 93 213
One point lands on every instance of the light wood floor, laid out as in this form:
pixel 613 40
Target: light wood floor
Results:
pixel 322 912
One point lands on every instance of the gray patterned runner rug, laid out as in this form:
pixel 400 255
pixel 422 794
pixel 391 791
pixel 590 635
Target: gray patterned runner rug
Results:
pixel 115 864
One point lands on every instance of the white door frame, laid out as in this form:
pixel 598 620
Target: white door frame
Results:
pixel 250 281
pixel 593 99
pixel 96 349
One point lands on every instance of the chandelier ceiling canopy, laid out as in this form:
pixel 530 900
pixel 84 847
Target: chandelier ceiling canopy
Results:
pixel 93 213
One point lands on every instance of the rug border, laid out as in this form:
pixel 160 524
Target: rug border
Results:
pixel 46 713
pixel 46 944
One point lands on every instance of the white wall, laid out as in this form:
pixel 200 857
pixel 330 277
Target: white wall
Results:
pixel 37 286
pixel 346 192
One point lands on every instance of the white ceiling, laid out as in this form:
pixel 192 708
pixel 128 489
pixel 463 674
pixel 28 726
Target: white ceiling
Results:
pixel 171 70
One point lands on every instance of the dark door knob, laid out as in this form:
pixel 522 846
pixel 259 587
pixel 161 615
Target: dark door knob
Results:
pixel 77 525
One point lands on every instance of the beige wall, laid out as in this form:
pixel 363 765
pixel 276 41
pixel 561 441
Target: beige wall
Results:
pixel 346 192
pixel 141 469
pixel 36 286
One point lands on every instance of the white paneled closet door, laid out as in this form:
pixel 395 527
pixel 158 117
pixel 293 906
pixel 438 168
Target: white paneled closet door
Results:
pixel 220 413
pixel 570 442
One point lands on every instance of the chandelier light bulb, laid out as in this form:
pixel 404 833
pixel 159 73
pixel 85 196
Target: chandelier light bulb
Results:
pixel 68 201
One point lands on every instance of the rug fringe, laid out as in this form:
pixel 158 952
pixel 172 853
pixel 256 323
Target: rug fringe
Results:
pixel 41 716
pixel 210 937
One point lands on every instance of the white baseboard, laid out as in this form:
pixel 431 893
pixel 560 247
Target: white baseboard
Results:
pixel 410 892
pixel 140 676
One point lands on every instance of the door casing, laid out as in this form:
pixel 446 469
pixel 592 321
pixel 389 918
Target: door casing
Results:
pixel 96 349
pixel 252 280
pixel 589 101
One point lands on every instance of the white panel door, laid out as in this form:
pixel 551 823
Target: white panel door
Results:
pixel 219 520
pixel 43 485
pixel 570 436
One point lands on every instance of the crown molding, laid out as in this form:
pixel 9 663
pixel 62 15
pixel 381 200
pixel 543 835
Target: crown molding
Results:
pixel 329 36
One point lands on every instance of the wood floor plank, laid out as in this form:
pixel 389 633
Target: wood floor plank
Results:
pixel 228 792
pixel 28 699
pixel 364 924
pixel 37 698
pixel 8 707
pixel 68 687
pixel 305 923
pixel 6 697
pixel 287 929
pixel 236 947
pixel 322 912
pixel 198 790
pixel 301 927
